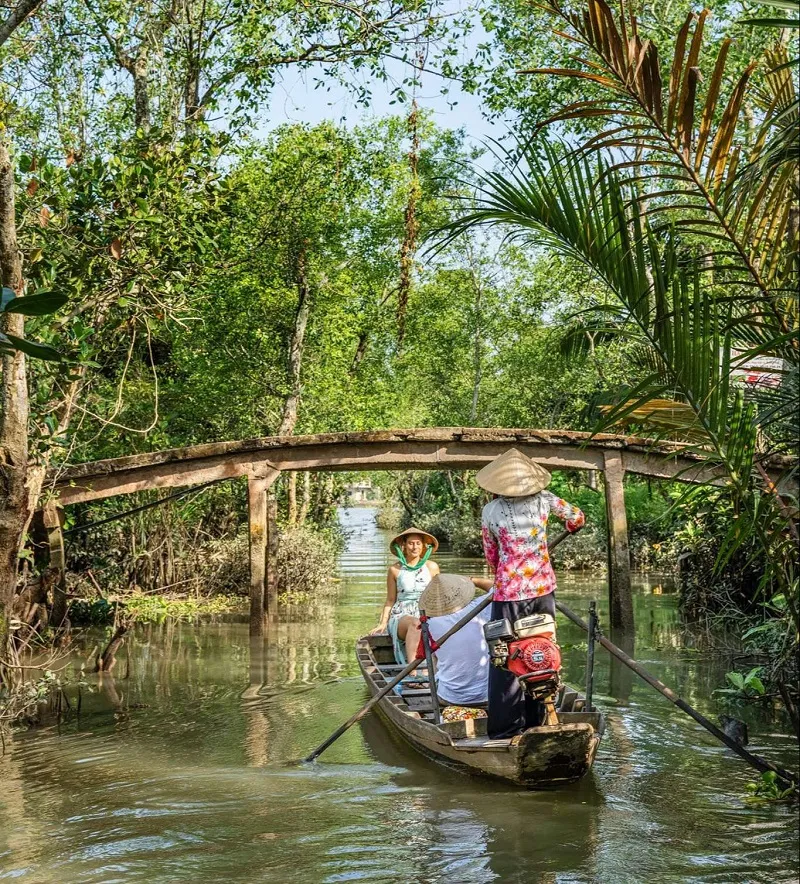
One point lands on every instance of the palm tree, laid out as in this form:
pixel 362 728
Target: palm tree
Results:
pixel 694 228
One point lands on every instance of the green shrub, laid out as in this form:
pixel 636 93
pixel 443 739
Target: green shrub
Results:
pixel 306 562
pixel 157 608
pixel 92 612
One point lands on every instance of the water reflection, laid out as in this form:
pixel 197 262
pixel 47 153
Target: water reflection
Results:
pixel 183 766
pixel 620 676
pixel 481 826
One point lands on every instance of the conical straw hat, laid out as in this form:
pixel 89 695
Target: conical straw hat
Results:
pixel 425 535
pixel 513 474
pixel 446 594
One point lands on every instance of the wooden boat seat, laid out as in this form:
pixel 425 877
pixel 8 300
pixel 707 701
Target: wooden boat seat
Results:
pixel 419 704
pixel 568 699
pixel 468 729
pixel 540 757
pixel 382 649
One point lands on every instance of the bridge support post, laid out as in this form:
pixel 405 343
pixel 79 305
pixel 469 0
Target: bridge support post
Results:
pixel 619 561
pixel 263 539
pixel 56 567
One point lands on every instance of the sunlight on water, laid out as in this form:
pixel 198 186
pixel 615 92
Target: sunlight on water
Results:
pixel 187 769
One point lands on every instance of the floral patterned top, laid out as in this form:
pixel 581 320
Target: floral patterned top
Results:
pixel 515 543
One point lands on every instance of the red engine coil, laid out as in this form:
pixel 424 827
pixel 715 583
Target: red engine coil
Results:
pixel 529 656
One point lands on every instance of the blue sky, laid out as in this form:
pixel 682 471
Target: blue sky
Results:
pixel 295 100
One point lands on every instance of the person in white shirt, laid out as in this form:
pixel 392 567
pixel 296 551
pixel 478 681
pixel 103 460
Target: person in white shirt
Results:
pixel 462 663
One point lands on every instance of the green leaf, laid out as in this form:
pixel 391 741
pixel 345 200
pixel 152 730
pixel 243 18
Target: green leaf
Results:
pixel 33 348
pixel 35 305
pixel 736 679
pixel 771 22
pixel 757 630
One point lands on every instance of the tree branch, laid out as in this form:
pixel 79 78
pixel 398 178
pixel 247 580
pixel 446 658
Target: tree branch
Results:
pixel 16 17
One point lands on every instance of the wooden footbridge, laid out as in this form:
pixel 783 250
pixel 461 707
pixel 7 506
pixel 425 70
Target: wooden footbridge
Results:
pixel 447 448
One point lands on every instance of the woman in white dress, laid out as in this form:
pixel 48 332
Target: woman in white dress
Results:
pixel 404 584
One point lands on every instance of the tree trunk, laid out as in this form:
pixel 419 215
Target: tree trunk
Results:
pixel 140 71
pixel 296 348
pixel 305 501
pixel 361 352
pixel 192 112
pixel 15 507
pixel 291 496
pixel 318 502
pixel 16 17
pixel 411 224
pixel 106 661
pixel 477 354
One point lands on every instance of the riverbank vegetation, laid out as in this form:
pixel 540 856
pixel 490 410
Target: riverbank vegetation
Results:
pixel 696 235
pixel 193 275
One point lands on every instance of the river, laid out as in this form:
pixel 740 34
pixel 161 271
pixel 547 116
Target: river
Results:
pixel 184 766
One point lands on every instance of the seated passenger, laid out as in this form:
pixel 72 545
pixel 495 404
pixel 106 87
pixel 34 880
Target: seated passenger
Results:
pixel 462 663
pixel 404 584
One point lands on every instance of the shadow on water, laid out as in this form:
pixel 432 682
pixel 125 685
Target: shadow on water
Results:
pixel 513 830
pixel 180 771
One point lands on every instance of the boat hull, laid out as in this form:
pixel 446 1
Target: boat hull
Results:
pixel 540 757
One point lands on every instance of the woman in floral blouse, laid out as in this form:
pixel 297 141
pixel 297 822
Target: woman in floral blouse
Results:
pixel 514 527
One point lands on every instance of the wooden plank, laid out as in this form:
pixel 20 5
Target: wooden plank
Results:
pixel 649 448
pixel 420 448
pixel 55 574
pixel 270 578
pixel 469 728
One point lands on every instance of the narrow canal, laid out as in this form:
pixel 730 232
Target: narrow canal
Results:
pixel 181 768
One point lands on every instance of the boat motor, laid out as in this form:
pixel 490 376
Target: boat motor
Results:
pixel 528 649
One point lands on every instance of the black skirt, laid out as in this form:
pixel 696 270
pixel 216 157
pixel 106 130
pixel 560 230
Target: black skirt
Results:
pixel 512 709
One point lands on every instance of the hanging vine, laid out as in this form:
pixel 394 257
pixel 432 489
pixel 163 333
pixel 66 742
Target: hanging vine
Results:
pixel 409 245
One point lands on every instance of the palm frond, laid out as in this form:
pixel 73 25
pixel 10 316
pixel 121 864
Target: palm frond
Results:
pixel 677 129
pixel 581 208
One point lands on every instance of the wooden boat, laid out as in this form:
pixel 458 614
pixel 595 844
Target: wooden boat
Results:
pixel 540 757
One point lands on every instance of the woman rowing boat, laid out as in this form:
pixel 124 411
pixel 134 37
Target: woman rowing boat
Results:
pixel 514 526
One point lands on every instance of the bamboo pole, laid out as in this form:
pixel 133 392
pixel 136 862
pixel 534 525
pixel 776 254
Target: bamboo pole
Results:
pixel 408 670
pixel 756 761
pixel 590 655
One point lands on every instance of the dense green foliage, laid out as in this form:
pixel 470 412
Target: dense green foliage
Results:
pixel 221 285
pixel 687 215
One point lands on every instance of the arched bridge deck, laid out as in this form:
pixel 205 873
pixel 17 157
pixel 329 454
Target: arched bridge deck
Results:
pixel 458 448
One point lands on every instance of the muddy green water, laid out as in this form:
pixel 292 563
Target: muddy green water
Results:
pixel 182 771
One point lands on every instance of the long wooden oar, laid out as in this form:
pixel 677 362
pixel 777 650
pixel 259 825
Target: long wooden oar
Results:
pixel 395 681
pixel 409 669
pixel 789 778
